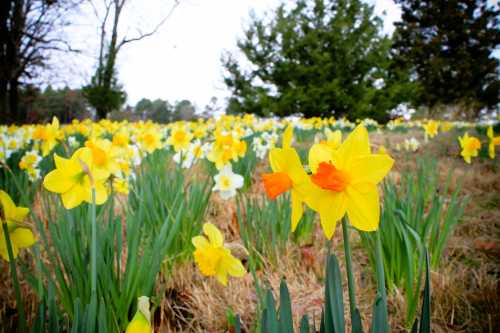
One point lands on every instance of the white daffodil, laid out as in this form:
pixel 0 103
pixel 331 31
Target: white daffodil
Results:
pixel 227 182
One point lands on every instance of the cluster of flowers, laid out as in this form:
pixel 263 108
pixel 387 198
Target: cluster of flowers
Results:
pixel 118 147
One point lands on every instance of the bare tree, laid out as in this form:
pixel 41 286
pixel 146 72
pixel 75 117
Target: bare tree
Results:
pixel 29 32
pixel 103 93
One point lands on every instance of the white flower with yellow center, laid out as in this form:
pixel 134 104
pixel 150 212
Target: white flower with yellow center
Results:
pixel 227 182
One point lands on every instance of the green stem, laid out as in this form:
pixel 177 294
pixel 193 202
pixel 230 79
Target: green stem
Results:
pixel 15 281
pixel 93 249
pixel 381 277
pixel 348 263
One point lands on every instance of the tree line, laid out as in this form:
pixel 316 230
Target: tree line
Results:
pixel 307 57
pixel 330 57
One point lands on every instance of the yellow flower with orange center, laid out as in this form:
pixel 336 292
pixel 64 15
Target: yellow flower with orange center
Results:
pixel 470 147
pixel 345 181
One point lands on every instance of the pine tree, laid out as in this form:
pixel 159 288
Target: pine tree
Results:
pixel 448 46
pixel 317 58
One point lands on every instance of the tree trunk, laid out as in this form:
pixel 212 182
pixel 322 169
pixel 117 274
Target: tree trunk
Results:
pixel 17 113
pixel 101 113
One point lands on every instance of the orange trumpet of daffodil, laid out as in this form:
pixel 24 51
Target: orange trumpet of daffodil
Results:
pixel 288 175
pixel 346 182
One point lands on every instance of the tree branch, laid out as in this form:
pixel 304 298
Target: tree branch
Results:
pixel 150 33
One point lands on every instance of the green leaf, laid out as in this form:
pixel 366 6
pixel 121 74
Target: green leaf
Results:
pixel 286 318
pixel 335 297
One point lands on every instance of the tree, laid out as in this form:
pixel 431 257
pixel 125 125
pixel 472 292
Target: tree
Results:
pixel 211 108
pixel 29 33
pixel 317 58
pixel 184 110
pixel 447 46
pixel 104 93
pixel 66 104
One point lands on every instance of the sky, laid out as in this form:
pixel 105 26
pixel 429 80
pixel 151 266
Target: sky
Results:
pixel 180 61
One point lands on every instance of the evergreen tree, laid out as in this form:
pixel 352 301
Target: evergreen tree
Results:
pixel 317 58
pixel 104 98
pixel 448 46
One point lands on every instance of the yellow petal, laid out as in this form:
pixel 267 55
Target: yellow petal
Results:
pixel 355 145
pixel 6 201
pixel 56 182
pixel 288 161
pixel 331 207
pixel 73 198
pixel 101 193
pixel 233 266
pixel 60 162
pixel 287 136
pixel 363 207
pixel 139 324
pixel 199 242
pixel 370 168
pixel 213 234
pixel 22 238
pixel 319 153
pixel 3 248
pixel 221 276
pixel 11 212
pixel 297 209
pixel 489 132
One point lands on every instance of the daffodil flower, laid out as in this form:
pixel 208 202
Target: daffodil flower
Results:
pixel 288 175
pixel 20 237
pixel 71 179
pixel 227 182
pixel 470 146
pixel 431 129
pixel 48 134
pixel 212 258
pixel 494 141
pixel 141 323
pixel 346 182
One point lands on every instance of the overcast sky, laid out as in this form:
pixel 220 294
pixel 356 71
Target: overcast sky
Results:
pixel 182 60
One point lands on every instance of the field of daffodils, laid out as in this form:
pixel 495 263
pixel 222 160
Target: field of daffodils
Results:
pixel 244 224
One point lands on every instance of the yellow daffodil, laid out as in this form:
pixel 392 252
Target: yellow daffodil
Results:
pixel 141 323
pixel 346 181
pixel 104 157
pixel 20 236
pixel 48 135
pixel 470 146
pixel 150 140
pixel 179 138
pixel 120 185
pixel 288 175
pixel 431 129
pixel 494 141
pixel 71 179
pixel 212 258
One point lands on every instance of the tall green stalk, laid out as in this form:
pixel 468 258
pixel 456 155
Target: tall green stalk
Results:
pixel 15 281
pixel 381 280
pixel 93 249
pixel 348 263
